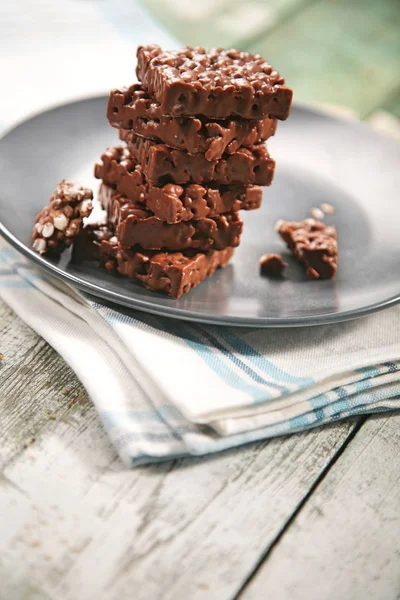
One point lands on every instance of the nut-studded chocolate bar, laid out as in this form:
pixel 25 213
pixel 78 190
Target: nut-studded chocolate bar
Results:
pixel 314 244
pixel 172 203
pixel 138 226
pixel 173 273
pixel 134 109
pixel 162 164
pixel 217 84
pixel 61 220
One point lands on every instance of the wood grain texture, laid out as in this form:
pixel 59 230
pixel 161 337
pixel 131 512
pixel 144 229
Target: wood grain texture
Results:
pixel 36 386
pixel 339 52
pixel 345 543
pixel 79 525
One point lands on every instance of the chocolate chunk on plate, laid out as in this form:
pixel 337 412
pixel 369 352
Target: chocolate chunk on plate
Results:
pixel 272 265
pixel 135 110
pixel 314 244
pixel 60 222
pixel 217 84
pixel 172 202
pixel 162 164
pixel 173 273
pixel 139 226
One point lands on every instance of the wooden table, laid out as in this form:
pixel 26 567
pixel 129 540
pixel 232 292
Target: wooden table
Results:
pixel 314 515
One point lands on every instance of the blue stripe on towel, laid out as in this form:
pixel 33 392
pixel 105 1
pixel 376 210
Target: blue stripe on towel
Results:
pixel 259 361
pixel 239 363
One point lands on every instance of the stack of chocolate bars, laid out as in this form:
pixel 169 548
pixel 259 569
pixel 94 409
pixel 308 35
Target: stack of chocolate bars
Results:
pixel 194 156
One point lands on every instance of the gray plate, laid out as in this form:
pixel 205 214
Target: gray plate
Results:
pixel 319 159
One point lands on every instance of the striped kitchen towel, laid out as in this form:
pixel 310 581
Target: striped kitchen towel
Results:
pixel 166 389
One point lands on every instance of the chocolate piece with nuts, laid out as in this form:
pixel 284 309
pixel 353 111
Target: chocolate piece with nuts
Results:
pixel 314 244
pixel 272 265
pixel 135 110
pixel 173 273
pixel 138 226
pixel 60 222
pixel 217 84
pixel 172 203
pixel 162 164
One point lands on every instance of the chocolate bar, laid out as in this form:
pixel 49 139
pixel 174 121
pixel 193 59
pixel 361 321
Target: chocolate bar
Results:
pixel 173 273
pixel 172 203
pixel 314 244
pixel 217 84
pixel 138 226
pixel 162 164
pixel 133 109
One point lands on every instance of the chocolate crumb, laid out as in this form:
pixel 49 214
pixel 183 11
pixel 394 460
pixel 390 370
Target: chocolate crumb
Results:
pixel 328 209
pixel 317 213
pixel 272 265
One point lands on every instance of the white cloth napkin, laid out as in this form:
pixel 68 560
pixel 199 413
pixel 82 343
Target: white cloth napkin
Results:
pixel 165 388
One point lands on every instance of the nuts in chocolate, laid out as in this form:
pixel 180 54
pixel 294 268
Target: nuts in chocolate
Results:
pixel 217 84
pixel 171 203
pixel 314 244
pixel 60 222
pixel 174 273
pixel 133 109
pixel 138 226
pixel 162 164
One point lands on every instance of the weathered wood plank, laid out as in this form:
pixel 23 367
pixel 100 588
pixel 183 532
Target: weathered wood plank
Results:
pixel 345 543
pixel 79 525
pixel 224 22
pixel 36 386
pixel 344 53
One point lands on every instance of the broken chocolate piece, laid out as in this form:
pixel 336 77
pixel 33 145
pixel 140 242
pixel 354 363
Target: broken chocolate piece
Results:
pixel 60 222
pixel 314 244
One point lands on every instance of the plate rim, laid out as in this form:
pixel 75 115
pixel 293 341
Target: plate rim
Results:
pixel 181 313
